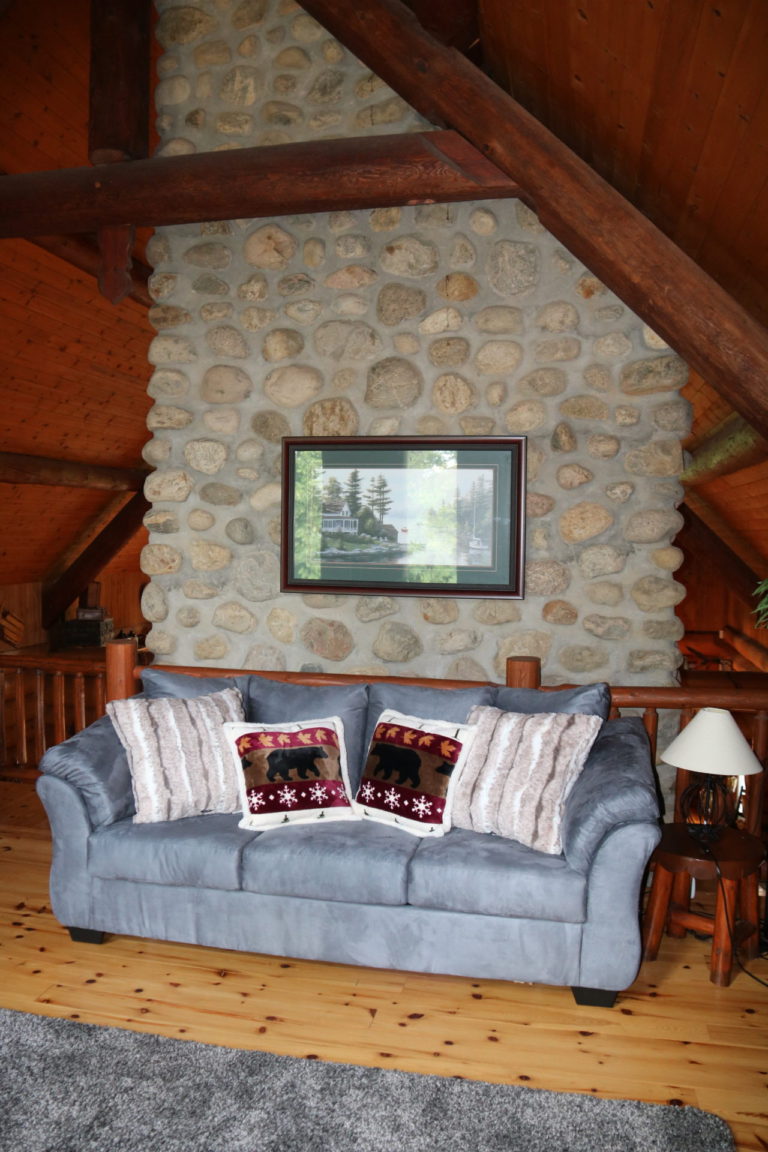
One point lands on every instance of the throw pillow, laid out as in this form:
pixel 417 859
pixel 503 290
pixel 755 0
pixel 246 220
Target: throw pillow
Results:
pixel 291 773
pixel 278 702
pixel 409 773
pixel 177 754
pixel 423 700
pixel 519 772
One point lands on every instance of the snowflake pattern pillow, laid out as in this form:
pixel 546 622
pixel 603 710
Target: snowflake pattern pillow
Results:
pixel 410 770
pixel 291 773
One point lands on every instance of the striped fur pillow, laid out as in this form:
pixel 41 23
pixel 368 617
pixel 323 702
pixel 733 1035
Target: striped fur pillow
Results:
pixel 177 753
pixel 519 772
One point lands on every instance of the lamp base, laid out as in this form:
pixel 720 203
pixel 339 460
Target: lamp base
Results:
pixel 707 808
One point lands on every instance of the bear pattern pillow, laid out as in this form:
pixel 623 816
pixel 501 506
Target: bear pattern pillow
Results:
pixel 409 771
pixel 291 773
pixel 177 754
pixel 519 773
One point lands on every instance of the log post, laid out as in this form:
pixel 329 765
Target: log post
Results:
pixel 523 672
pixel 118 119
pixel 121 660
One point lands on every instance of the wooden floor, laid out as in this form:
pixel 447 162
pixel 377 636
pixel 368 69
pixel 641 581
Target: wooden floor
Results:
pixel 673 1037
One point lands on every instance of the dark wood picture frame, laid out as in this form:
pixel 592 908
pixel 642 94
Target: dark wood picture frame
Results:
pixel 410 515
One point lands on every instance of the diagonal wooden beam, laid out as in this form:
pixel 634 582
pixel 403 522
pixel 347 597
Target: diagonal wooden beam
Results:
pixel 16 468
pixel 58 596
pixel 620 245
pixel 322 175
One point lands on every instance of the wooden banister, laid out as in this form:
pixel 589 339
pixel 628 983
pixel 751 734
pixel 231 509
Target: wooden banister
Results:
pixel 44 698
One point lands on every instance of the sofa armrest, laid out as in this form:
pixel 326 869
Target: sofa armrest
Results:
pixel 94 762
pixel 616 787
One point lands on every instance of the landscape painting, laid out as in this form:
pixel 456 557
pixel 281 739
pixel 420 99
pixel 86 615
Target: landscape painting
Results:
pixel 414 515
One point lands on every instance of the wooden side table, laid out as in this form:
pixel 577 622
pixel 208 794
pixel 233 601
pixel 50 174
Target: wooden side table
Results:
pixel 679 857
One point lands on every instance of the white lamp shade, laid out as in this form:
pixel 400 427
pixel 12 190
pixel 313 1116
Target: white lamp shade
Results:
pixel 713 743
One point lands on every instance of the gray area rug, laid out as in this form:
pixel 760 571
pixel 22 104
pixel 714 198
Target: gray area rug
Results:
pixel 69 1087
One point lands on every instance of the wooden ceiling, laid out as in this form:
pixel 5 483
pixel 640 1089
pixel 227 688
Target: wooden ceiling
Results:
pixel 666 99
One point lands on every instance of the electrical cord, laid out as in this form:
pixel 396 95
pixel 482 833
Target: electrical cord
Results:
pixel 707 849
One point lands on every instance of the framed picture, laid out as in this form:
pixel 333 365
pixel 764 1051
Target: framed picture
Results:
pixel 415 515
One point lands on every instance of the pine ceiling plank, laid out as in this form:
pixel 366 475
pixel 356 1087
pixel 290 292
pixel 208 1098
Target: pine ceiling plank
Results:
pixel 559 84
pixel 595 27
pixel 741 109
pixel 712 55
pixel 641 27
pixel 25 557
pixel 737 258
pixel 671 82
pixel 514 49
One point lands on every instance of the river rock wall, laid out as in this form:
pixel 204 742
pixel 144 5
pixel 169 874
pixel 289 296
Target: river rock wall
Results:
pixel 460 319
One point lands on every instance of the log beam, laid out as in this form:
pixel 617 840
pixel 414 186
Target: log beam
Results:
pixel 732 446
pixel 118 118
pixel 58 596
pixel 616 242
pixel 283 179
pixel 16 468
pixel 83 253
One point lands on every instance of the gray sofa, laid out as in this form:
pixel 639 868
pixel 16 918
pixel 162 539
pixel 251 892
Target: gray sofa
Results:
pixel 356 892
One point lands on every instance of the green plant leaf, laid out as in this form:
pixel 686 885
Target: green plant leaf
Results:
pixel 761 612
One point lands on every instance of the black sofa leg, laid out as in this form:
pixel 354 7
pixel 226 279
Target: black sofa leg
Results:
pixel 86 935
pixel 594 997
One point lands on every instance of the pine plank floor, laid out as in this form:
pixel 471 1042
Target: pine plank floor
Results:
pixel 673 1037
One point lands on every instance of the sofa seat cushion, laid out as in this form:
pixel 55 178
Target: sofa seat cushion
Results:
pixel 356 862
pixel 484 873
pixel 198 851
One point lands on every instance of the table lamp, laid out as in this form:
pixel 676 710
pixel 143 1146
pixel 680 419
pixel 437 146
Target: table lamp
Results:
pixel 714 747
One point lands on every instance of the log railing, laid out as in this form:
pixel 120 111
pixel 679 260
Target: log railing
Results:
pixel 44 698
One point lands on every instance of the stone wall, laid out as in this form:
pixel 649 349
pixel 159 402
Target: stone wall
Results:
pixel 459 319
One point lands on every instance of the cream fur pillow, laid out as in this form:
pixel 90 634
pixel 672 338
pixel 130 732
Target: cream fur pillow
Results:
pixel 519 772
pixel 177 753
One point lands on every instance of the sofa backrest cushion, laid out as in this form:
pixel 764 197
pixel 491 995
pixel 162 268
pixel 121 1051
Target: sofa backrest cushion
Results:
pixel 159 684
pixel 95 762
pixel 588 699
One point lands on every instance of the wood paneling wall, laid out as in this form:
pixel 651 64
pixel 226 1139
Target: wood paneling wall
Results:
pixel 23 600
